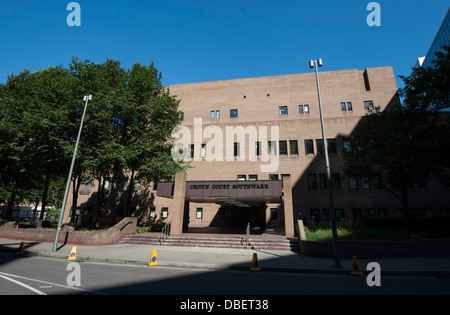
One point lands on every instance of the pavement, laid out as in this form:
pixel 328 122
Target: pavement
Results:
pixel 229 259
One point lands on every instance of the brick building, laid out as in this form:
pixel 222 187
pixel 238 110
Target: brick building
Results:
pixel 256 153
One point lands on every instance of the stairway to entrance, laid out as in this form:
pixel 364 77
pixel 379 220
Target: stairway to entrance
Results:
pixel 262 241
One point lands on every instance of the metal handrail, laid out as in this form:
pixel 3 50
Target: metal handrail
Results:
pixel 165 232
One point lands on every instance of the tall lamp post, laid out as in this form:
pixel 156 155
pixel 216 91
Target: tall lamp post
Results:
pixel 315 64
pixel 87 98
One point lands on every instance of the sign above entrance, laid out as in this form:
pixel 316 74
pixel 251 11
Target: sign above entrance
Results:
pixel 214 191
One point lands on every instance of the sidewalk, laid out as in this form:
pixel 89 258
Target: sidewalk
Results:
pixel 227 258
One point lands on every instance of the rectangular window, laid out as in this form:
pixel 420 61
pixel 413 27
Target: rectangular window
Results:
pixel 312 182
pixel 203 152
pixel 347 146
pixel 323 184
pixel 326 214
pixel 349 106
pixel 300 109
pixel 309 147
pixel 293 147
pixel 242 177
pixel 357 214
pixel 258 148
pixel 273 177
pixel 283 110
pixel 368 105
pixel 365 183
pixel 343 107
pixel 192 147
pixel 233 113
pixel 272 148
pixel 199 213
pixel 353 183
pixel 213 114
pixel 165 213
pixel 283 148
pixel 315 215
pixel 340 214
pixel 152 212
pixel 181 116
pixel 332 149
pixel 273 214
pixel 236 149
pixel 217 114
pixel 336 180
pixel 306 109
pixel 253 177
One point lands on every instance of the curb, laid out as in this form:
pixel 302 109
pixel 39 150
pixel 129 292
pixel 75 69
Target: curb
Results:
pixel 444 274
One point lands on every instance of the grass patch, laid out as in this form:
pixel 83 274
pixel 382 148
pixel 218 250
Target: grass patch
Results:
pixel 351 233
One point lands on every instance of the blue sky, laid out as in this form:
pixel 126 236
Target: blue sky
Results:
pixel 207 40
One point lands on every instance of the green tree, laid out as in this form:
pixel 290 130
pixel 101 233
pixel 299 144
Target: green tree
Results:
pixel 403 146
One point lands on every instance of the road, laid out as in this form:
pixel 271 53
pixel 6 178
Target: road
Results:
pixel 44 276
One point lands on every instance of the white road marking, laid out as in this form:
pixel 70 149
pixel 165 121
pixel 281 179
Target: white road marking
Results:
pixel 23 285
pixel 7 277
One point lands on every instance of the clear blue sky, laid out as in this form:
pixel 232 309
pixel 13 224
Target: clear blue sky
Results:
pixel 206 40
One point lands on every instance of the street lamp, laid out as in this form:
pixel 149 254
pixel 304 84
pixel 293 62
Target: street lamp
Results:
pixel 87 98
pixel 315 64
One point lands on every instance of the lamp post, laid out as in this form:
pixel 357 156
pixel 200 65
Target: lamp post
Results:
pixel 87 98
pixel 315 64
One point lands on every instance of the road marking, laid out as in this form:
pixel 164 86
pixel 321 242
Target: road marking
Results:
pixel 23 285
pixel 6 276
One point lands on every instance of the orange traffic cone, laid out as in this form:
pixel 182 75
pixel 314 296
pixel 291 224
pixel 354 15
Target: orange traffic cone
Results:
pixel 255 264
pixel 154 260
pixel 73 255
pixel 355 267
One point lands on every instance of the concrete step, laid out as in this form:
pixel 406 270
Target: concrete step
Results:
pixel 219 242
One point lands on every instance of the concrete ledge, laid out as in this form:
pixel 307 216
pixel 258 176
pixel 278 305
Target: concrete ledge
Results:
pixel 108 237
pixel 374 249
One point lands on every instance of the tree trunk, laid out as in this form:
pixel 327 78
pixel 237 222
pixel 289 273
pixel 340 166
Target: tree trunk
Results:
pixel 76 182
pixel 44 196
pixel 11 201
pixel 130 194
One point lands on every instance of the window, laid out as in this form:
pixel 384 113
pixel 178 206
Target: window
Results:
pixel 326 214
pixel 283 148
pixel 315 215
pixel 309 147
pixel 353 183
pixel 165 213
pixel 236 149
pixel 215 114
pixel 357 214
pixel 199 213
pixel 365 183
pixel 312 182
pixel 258 148
pixel 242 177
pixel 368 105
pixel 332 149
pixel 233 113
pixel 181 116
pixel 152 212
pixel 203 152
pixel 306 109
pixel 323 184
pixel 272 148
pixel 273 177
pixel 336 181
pixel 347 146
pixel 293 147
pixel 346 106
pixel 253 177
pixel 370 213
pixel 300 109
pixel 283 110
pixel 382 213
pixel 340 214
pixel 192 147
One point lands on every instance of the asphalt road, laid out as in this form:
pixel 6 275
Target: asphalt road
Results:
pixel 43 276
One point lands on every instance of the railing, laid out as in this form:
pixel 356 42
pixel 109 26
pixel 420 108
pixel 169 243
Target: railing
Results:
pixel 247 236
pixel 166 233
